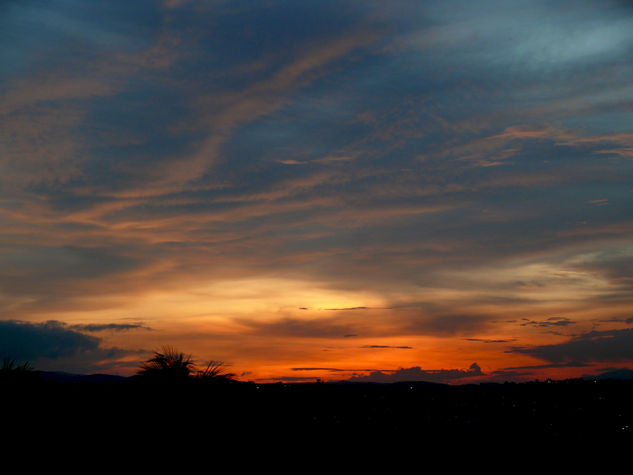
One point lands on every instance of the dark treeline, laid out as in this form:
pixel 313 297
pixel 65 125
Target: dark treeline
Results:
pixel 170 394
pixel 571 408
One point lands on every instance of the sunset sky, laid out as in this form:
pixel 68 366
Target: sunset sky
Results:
pixel 335 189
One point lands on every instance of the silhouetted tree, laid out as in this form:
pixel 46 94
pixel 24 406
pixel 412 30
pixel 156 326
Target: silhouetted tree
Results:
pixel 168 363
pixel 215 371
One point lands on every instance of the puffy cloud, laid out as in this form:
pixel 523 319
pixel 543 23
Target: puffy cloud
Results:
pixel 418 374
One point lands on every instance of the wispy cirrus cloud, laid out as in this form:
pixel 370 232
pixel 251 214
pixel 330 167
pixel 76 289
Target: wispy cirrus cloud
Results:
pixel 387 347
pixel 547 323
pixel 320 175
pixel 99 327
pixel 488 340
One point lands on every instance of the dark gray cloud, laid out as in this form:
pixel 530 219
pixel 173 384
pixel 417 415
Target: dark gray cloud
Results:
pixel 321 328
pixel 610 345
pixel 388 347
pixel 52 341
pixel 317 369
pixel 547 323
pixel 485 340
pixel 54 277
pixel 500 376
pixel 348 326
pixel 291 379
pixel 333 370
pixel 117 327
pixel 447 325
pixel 418 374
pixel 528 372
pixel 349 308
pixel 63 263
pixel 570 364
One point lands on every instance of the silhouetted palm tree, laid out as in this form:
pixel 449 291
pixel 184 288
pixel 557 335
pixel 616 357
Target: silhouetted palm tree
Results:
pixel 215 370
pixel 168 363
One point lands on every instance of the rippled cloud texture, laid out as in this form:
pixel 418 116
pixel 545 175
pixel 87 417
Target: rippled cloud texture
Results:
pixel 329 185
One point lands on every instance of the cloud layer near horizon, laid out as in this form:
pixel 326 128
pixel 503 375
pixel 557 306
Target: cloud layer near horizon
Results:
pixel 418 374
pixel 49 343
pixel 259 181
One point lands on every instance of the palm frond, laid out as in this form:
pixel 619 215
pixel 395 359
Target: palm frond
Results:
pixel 214 370
pixel 168 362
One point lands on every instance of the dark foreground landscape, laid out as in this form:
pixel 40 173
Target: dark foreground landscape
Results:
pixel 138 408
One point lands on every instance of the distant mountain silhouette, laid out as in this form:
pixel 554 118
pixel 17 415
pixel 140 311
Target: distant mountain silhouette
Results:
pixel 62 377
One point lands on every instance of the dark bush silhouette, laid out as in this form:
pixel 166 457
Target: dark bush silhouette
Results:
pixel 11 366
pixel 168 363
pixel 11 371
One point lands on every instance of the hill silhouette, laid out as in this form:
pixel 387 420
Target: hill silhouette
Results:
pixel 551 409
